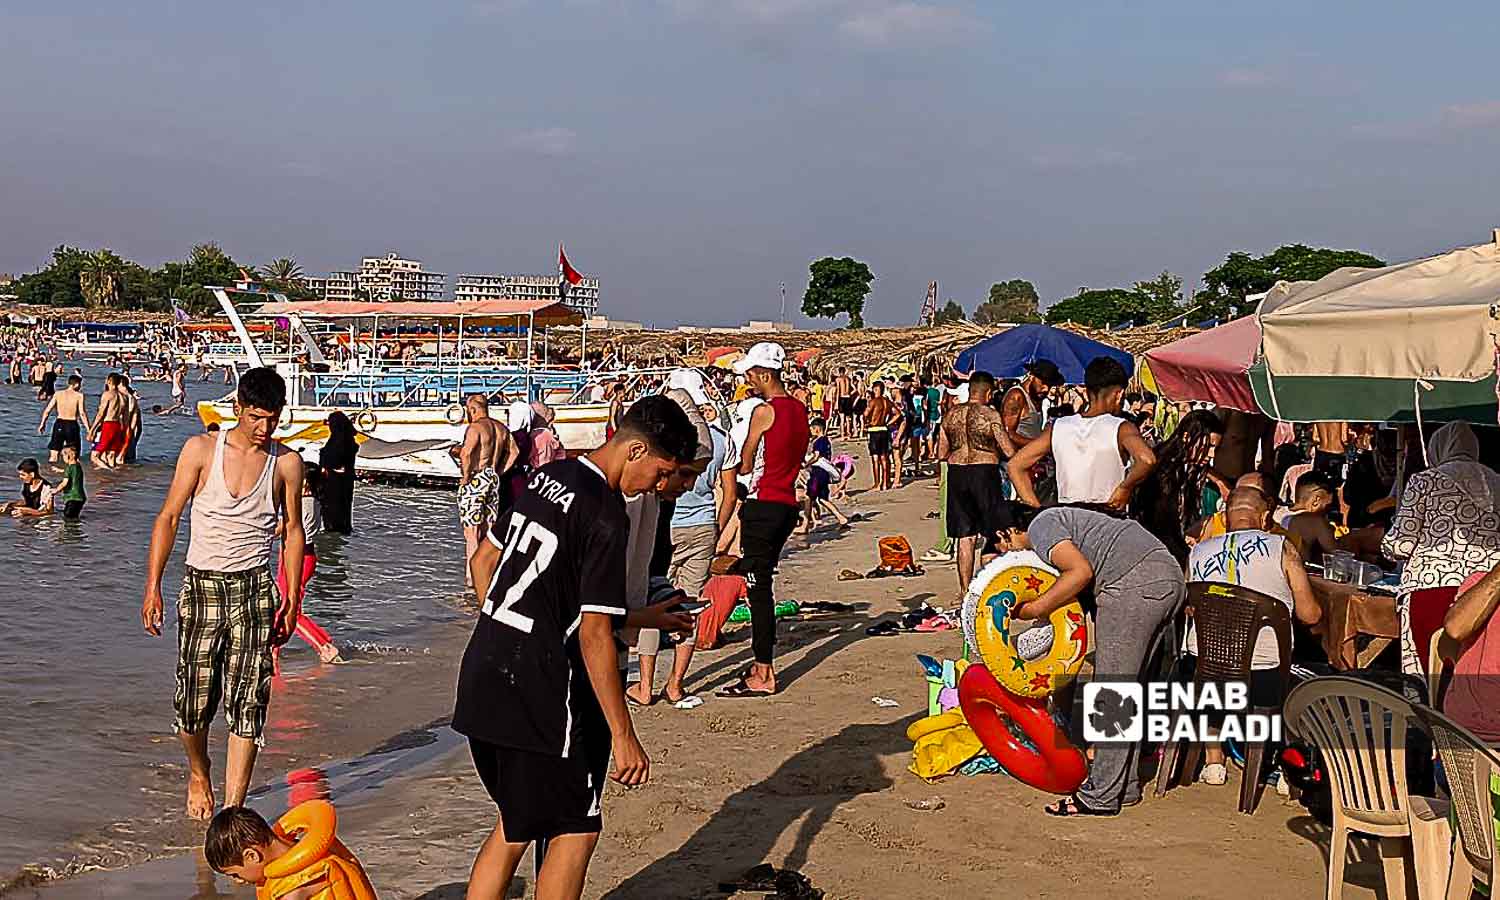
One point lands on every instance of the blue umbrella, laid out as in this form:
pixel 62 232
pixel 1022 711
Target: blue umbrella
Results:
pixel 1006 354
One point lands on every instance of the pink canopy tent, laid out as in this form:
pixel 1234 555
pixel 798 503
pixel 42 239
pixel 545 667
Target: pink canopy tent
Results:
pixel 1209 366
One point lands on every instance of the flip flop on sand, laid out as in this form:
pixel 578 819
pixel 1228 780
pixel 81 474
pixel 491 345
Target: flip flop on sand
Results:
pixel 1070 806
pixel 690 701
pixel 742 689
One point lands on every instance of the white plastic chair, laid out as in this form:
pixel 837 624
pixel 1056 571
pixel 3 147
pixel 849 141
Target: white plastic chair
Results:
pixel 1473 771
pixel 1361 731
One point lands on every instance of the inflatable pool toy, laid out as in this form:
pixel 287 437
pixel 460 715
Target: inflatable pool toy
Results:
pixel 1035 662
pixel 968 610
pixel 941 744
pixel 316 854
pixel 1055 765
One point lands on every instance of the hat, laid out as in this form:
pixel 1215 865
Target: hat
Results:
pixel 765 355
pixel 962 393
pixel 690 380
pixel 1046 372
pixel 518 416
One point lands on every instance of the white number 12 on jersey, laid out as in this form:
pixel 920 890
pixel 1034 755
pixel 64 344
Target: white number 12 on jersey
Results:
pixel 520 535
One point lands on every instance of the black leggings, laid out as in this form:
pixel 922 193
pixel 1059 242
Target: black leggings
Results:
pixel 764 528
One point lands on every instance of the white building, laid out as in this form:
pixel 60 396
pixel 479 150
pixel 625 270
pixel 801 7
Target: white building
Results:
pixel 381 278
pixel 583 297
pixel 390 277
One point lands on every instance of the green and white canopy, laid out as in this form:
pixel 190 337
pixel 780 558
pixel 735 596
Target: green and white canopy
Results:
pixel 1375 345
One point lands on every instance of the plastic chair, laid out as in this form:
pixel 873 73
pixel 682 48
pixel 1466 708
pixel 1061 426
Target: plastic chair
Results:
pixel 1442 651
pixel 1473 770
pixel 1361 731
pixel 1227 619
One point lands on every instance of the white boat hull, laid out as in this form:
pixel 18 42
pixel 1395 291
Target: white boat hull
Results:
pixel 433 432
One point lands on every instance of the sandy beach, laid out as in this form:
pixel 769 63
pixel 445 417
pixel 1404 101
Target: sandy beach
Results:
pixel 814 779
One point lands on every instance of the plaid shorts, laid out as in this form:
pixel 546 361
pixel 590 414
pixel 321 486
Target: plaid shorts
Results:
pixel 224 623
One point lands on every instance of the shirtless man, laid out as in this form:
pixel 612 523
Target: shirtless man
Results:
pixel 240 483
pixel 487 444
pixel 71 407
pixel 843 402
pixel 110 433
pixel 971 442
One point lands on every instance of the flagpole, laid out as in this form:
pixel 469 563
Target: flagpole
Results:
pixel 783 304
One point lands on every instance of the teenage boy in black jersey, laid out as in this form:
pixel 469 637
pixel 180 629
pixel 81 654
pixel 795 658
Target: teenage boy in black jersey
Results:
pixel 539 692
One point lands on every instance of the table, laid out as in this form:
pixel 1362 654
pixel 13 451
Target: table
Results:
pixel 1349 612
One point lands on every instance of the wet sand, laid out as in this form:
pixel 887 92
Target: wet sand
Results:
pixel 814 779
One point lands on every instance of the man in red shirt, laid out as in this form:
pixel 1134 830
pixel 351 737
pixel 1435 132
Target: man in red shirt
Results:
pixel 773 454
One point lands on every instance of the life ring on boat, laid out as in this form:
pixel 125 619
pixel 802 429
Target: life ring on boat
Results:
pixel 454 414
pixel 365 420
pixel 316 855
pixel 1035 662
pixel 1051 764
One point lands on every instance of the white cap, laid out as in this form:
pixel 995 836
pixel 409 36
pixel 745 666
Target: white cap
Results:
pixel 690 380
pixel 962 393
pixel 765 355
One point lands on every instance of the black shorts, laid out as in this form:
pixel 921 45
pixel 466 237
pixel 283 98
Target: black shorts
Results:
pixel 541 796
pixel 880 442
pixel 1330 464
pixel 65 433
pixel 976 501
pixel 846 406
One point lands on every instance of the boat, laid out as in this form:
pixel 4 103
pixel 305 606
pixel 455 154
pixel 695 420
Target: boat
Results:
pixel 408 415
pixel 100 338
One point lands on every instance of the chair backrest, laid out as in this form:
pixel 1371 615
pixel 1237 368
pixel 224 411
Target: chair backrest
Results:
pixel 1360 729
pixel 1442 649
pixel 1472 767
pixel 1228 618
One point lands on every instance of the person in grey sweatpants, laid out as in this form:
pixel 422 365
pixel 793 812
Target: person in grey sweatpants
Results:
pixel 1137 587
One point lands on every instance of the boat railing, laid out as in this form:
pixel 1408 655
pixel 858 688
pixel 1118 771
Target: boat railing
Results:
pixel 412 386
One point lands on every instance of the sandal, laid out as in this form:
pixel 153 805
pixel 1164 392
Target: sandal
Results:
pixel 687 702
pixel 1070 806
pixel 630 698
pixel 742 689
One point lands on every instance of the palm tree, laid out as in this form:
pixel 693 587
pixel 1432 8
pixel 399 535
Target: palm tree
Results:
pixel 101 277
pixel 282 271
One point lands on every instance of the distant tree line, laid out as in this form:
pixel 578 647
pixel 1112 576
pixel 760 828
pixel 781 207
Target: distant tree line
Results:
pixel 840 286
pixel 102 278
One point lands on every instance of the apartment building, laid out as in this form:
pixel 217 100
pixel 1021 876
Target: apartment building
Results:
pixel 381 278
pixel 583 297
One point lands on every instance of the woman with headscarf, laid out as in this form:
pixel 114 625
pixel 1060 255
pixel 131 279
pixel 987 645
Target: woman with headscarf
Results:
pixel 546 446
pixel 1446 529
pixel 1171 498
pixel 336 459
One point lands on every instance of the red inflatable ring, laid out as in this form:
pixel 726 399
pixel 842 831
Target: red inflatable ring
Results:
pixel 1055 766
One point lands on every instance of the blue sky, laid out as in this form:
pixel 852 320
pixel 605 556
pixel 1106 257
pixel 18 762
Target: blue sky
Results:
pixel 696 153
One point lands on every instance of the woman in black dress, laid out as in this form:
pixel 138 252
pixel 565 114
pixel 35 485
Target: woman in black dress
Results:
pixel 336 459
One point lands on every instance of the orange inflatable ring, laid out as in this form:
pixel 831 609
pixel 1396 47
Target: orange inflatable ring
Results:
pixel 316 855
pixel 1055 766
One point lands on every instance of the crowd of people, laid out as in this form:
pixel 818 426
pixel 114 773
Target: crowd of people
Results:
pixel 580 561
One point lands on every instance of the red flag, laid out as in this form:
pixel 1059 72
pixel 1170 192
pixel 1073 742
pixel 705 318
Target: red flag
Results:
pixel 565 270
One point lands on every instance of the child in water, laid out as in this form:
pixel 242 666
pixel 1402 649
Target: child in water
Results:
pixel 300 859
pixel 70 489
pixel 312 523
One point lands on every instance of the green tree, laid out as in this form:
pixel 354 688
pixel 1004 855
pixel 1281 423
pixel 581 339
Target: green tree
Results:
pixel 1009 301
pixel 951 312
pixel 101 278
pixel 1098 309
pixel 281 270
pixel 1161 297
pixel 57 284
pixel 837 286
pixel 1226 286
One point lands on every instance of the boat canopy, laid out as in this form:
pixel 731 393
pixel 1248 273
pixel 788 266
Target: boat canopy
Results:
pixel 477 312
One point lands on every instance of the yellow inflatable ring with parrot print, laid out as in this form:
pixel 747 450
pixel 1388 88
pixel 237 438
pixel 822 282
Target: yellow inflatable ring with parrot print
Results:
pixel 1025 664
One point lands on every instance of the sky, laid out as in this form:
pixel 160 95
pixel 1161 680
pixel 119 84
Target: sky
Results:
pixel 696 154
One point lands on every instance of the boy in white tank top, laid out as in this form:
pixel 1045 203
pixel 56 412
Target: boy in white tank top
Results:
pixel 1091 449
pixel 238 481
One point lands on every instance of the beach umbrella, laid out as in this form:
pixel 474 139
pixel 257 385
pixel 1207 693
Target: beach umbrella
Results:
pixel 892 370
pixel 712 354
pixel 803 357
pixel 1210 366
pixel 1006 355
pixel 725 360
pixel 1410 341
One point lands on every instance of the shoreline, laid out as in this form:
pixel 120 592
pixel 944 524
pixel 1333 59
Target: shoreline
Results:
pixel 815 779
pixel 320 716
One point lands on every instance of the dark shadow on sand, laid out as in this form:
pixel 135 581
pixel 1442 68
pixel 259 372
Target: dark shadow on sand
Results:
pixel 807 789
